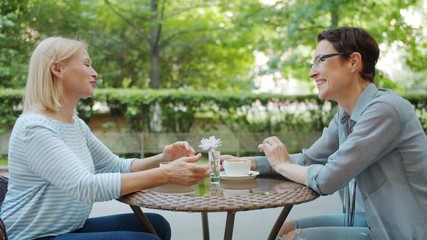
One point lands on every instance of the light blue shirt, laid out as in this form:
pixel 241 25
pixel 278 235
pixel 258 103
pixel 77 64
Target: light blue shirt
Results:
pixel 57 170
pixel 383 146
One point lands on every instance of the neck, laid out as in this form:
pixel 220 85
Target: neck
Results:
pixel 64 114
pixel 348 103
pixel 61 115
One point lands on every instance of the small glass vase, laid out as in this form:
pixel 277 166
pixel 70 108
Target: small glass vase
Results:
pixel 214 164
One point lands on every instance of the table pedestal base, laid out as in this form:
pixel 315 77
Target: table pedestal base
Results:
pixel 141 216
pixel 229 225
pixel 279 222
pixel 205 225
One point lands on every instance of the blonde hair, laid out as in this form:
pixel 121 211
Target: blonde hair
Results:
pixel 43 90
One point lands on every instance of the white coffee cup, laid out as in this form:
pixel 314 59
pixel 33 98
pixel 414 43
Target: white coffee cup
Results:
pixel 237 167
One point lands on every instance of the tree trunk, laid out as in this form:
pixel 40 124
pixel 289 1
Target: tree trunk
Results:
pixel 154 45
pixel 155 68
pixel 334 16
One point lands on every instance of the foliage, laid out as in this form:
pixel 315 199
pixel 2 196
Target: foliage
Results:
pixel 301 21
pixel 15 43
pixel 193 46
pixel 178 110
pixel 3 160
pixel 10 108
pixel 201 44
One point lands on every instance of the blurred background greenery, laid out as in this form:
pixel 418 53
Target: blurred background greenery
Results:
pixel 231 45
pixel 198 67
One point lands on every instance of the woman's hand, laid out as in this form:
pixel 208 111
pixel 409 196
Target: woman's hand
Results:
pixel 275 151
pixel 183 171
pixel 278 157
pixel 176 150
pixel 170 153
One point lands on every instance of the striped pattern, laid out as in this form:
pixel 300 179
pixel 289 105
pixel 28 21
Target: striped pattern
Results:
pixel 57 170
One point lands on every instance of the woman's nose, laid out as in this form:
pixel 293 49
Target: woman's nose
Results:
pixel 94 74
pixel 313 73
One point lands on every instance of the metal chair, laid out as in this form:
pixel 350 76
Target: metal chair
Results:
pixel 3 189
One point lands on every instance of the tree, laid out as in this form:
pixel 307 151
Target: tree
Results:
pixel 198 44
pixel 24 23
pixel 15 43
pixel 190 43
pixel 297 23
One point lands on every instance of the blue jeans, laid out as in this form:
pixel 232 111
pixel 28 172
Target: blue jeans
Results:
pixel 121 226
pixel 332 227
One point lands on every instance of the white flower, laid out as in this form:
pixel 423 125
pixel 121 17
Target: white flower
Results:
pixel 210 143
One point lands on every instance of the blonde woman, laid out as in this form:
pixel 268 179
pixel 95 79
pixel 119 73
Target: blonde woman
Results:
pixel 58 168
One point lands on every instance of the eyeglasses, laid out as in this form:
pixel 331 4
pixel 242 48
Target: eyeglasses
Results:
pixel 322 58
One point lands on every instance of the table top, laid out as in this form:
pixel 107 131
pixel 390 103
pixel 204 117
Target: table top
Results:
pixel 229 195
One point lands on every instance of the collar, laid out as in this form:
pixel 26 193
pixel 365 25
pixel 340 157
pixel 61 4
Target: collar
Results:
pixel 361 104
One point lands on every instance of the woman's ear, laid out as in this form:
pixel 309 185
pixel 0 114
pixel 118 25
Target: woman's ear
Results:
pixel 356 62
pixel 56 70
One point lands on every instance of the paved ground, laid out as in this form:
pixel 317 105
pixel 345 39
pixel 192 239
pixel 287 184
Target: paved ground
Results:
pixel 249 225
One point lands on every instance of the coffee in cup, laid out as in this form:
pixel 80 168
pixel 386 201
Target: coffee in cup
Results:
pixel 237 167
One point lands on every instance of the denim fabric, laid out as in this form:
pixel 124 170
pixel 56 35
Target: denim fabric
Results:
pixel 331 220
pixel 328 233
pixel 122 226
pixel 332 227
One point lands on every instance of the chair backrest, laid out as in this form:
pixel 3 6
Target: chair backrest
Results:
pixel 3 189
pixel 3 235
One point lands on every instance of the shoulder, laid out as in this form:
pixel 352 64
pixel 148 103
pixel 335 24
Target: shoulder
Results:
pixel 32 120
pixel 34 126
pixel 387 95
pixel 387 100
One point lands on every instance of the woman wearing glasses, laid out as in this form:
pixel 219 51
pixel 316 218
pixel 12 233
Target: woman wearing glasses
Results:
pixel 374 148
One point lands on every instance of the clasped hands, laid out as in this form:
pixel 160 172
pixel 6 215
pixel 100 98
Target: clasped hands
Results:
pixel 182 169
pixel 275 151
pixel 181 151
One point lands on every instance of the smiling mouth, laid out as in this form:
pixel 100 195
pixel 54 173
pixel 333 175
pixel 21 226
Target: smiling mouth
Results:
pixel 320 82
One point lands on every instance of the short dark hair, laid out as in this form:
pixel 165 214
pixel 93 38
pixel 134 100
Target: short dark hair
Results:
pixel 351 39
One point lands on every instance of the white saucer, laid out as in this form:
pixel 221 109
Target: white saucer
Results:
pixel 174 188
pixel 251 174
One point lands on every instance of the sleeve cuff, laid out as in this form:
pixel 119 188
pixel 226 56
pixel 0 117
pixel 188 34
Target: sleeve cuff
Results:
pixel 263 166
pixel 313 170
pixel 296 158
pixel 126 165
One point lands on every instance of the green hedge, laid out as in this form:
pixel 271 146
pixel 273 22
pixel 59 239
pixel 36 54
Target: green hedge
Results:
pixel 10 108
pixel 181 108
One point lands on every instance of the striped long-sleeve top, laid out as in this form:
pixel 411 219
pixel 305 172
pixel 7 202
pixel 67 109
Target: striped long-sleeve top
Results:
pixel 57 171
